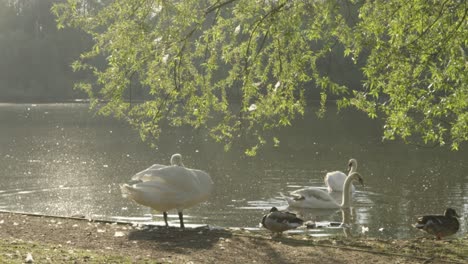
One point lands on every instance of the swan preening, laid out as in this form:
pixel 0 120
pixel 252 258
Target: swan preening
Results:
pixel 169 187
pixel 147 174
pixel 313 197
pixel 439 225
pixel 277 221
pixel 335 180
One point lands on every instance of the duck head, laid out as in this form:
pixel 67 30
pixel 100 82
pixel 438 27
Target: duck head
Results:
pixel 451 213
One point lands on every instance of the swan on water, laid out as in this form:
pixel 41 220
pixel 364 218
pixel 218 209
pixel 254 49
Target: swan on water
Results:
pixel 314 197
pixel 334 180
pixel 169 187
pixel 279 221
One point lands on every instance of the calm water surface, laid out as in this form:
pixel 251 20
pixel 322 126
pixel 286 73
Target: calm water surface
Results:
pixel 61 159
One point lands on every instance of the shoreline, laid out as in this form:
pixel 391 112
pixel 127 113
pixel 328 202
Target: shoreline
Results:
pixel 51 239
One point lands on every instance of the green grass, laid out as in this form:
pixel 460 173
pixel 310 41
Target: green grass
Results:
pixel 15 251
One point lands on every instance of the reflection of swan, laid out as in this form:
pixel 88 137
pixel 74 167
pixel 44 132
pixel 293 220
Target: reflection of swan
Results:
pixel 439 225
pixel 335 179
pixel 170 187
pixel 316 198
pixel 346 221
pixel 277 221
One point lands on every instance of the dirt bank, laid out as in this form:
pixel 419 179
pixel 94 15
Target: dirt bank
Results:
pixel 62 240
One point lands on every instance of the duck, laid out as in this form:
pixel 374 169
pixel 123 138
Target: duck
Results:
pixel 334 180
pixel 279 221
pixel 439 225
pixel 170 187
pixel 313 197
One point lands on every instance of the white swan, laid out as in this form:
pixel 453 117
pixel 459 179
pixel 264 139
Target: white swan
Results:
pixel 335 179
pixel 313 197
pixel 170 187
pixel 147 174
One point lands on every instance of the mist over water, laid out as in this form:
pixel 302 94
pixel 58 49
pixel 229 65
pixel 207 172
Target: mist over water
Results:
pixel 61 159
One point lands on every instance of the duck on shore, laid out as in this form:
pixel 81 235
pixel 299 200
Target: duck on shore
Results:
pixel 439 225
pixel 277 221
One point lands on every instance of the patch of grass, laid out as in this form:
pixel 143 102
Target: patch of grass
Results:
pixel 16 251
pixel 455 250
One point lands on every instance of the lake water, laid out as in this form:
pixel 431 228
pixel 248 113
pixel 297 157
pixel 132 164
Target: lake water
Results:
pixel 61 159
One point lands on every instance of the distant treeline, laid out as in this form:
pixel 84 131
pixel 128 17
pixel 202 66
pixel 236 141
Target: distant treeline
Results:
pixel 35 57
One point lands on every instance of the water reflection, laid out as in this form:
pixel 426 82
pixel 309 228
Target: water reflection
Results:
pixel 60 159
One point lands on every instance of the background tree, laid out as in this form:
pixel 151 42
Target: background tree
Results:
pixel 242 66
pixel 35 58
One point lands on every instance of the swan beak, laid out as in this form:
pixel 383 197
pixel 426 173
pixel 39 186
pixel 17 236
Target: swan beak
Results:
pixel 361 181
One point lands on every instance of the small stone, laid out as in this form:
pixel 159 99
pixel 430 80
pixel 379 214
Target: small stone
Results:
pixel 119 234
pixel 29 258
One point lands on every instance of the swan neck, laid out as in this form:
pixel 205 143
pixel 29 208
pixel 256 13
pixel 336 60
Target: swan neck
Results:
pixel 353 168
pixel 346 201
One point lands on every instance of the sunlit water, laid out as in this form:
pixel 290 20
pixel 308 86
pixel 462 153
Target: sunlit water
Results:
pixel 61 159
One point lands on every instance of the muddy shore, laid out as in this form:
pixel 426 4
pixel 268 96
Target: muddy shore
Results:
pixel 41 239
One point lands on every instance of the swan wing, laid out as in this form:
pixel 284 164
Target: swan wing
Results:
pixel 311 198
pixel 176 177
pixel 313 193
pixel 334 181
pixel 145 175
pixel 204 181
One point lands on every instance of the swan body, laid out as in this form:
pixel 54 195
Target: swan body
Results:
pixel 335 180
pixel 278 222
pixel 169 187
pixel 313 197
pixel 439 225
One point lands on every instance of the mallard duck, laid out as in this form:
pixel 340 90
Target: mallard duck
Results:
pixel 334 180
pixel 439 225
pixel 277 221
pixel 170 187
pixel 313 197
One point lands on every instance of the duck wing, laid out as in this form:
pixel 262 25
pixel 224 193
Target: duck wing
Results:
pixel 285 217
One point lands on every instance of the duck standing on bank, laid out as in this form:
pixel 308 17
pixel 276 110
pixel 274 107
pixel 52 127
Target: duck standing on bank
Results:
pixel 278 222
pixel 439 225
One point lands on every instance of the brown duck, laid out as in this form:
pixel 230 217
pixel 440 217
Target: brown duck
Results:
pixel 277 221
pixel 439 225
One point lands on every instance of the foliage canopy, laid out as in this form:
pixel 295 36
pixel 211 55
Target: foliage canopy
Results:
pixel 195 58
